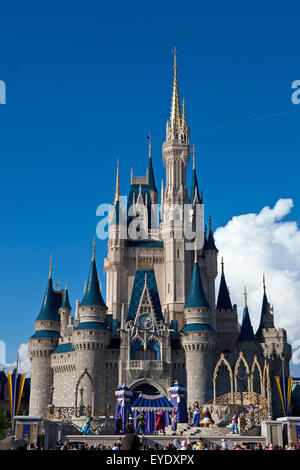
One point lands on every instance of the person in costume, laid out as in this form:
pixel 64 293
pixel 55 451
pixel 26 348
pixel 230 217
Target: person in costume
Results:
pixel 207 419
pixel 159 422
pixel 118 424
pixel 130 425
pixel 141 423
pixel 173 418
pixel 86 428
pixel 196 414
pixel 234 428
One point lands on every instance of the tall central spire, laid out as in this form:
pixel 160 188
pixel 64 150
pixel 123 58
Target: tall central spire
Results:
pixel 175 117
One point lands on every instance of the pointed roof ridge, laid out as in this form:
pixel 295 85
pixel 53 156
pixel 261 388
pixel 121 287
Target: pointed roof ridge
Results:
pixel 151 179
pixel 183 115
pixel 266 317
pixel 246 333
pixel 49 311
pixel 196 296
pixel 92 295
pixel 224 302
pixel 144 278
pixel 210 245
pixel 117 191
pixel 66 301
pixel 194 186
pixel 175 116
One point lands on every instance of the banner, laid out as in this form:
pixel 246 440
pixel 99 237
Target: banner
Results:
pixel 15 388
pixel 284 386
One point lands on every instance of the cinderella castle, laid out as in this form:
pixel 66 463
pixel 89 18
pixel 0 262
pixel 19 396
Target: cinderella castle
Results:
pixel 165 326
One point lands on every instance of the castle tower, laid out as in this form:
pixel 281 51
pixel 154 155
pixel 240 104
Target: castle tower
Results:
pixel 199 341
pixel 178 257
pixel 226 317
pixel 90 340
pixel 41 345
pixel 66 320
pixel 276 350
pixel 210 253
pixel 114 263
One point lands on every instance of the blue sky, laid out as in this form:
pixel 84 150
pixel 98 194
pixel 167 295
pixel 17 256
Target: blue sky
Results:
pixel 87 82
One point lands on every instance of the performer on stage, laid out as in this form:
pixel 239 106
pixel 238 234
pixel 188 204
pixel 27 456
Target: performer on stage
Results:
pixel 118 424
pixel 159 422
pixel 173 418
pixel 196 414
pixel 207 417
pixel 86 428
pixel 141 423
pixel 130 425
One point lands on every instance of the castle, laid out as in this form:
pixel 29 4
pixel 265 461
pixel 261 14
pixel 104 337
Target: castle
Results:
pixel 162 321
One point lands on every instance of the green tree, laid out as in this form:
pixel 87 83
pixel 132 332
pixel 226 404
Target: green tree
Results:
pixel 3 425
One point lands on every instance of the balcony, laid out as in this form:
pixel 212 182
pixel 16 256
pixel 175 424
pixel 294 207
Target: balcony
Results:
pixel 145 365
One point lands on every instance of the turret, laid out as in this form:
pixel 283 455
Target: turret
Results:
pixel 66 320
pixel 90 339
pixel 226 316
pixel 199 341
pixel 41 345
pixel 247 340
pixel 210 253
pixel 266 317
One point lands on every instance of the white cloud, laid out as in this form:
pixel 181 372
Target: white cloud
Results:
pixel 24 365
pixel 257 244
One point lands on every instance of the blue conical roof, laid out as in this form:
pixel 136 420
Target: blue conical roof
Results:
pixel 151 176
pixel 224 302
pixel 66 302
pixel 49 310
pixel 266 317
pixel 246 333
pixel 210 242
pixel 92 294
pixel 196 296
pixel 194 187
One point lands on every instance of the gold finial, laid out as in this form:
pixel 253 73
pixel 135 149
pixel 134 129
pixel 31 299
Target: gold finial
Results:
pixel 264 284
pixel 94 242
pixel 195 251
pixel 245 297
pixel 117 191
pixel 66 285
pixel 100 286
pixel 222 264
pixel 50 269
pixel 57 285
pixel 84 287
pixel 205 232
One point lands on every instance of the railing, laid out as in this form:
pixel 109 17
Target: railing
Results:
pixel 242 398
pixel 146 364
pixel 259 415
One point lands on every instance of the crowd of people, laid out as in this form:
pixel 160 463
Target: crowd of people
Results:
pixel 132 442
